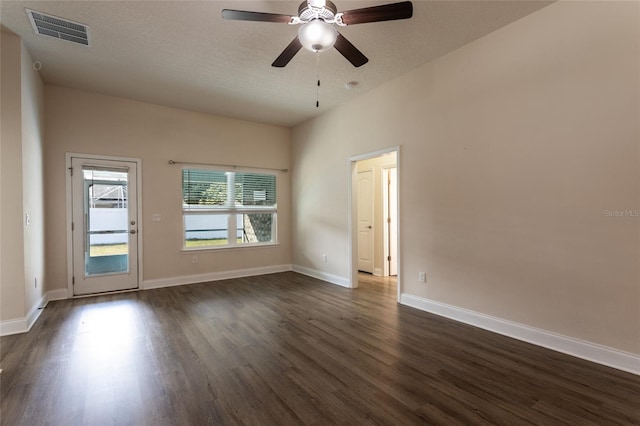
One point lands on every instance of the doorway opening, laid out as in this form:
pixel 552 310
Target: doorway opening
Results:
pixel 374 216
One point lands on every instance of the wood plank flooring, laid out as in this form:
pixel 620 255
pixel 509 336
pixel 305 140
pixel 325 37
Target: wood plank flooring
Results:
pixel 286 349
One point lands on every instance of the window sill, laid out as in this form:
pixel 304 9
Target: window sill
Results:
pixel 186 250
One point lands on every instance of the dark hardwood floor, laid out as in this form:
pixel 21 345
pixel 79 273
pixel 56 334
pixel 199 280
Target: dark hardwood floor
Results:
pixel 285 349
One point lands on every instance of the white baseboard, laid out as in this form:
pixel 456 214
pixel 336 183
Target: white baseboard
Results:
pixel 333 279
pixel 378 272
pixel 24 324
pixel 579 348
pixel 13 326
pixel 58 294
pixel 212 276
pixel 36 310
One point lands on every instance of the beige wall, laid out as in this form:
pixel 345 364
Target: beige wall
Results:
pixel 513 149
pixel 12 302
pixel 32 180
pixel 22 247
pixel 81 122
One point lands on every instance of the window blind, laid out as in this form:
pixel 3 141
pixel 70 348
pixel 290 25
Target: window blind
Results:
pixel 201 188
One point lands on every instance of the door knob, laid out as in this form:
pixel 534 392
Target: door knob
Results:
pixel 133 231
pixel 369 227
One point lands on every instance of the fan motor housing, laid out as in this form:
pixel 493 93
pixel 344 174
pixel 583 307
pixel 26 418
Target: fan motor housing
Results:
pixel 306 12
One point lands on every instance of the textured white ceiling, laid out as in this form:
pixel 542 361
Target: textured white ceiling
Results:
pixel 183 54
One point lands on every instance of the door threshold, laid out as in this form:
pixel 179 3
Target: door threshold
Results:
pixel 104 293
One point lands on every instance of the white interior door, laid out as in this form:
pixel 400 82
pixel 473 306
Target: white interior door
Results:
pixel 104 225
pixel 365 221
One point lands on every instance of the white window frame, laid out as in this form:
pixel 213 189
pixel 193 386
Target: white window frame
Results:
pixel 231 210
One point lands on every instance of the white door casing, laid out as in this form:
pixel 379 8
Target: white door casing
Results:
pixel 391 228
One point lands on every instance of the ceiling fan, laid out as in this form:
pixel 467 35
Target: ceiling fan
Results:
pixel 318 33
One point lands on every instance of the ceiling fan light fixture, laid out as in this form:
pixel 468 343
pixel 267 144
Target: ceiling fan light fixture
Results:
pixel 317 35
pixel 318 32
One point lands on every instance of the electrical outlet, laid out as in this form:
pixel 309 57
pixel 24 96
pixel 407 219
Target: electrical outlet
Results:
pixel 324 257
pixel 156 217
pixel 194 259
pixel 422 277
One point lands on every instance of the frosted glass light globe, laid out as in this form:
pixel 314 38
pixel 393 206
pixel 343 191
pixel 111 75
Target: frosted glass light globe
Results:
pixel 317 35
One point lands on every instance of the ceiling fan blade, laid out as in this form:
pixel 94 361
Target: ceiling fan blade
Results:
pixel 243 15
pixel 287 54
pixel 387 12
pixel 350 52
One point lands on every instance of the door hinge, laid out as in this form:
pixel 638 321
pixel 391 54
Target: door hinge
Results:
pixel 73 280
pixel 389 258
pixel 71 170
pixel 388 220
pixel 72 226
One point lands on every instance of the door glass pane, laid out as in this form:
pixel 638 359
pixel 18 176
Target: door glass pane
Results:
pixel 106 221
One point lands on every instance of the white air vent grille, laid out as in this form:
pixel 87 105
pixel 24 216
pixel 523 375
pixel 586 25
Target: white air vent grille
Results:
pixel 59 28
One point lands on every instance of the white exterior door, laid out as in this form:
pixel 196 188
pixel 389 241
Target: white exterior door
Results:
pixel 365 221
pixel 104 227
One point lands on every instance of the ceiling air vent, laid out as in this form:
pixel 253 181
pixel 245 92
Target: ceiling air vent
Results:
pixel 59 28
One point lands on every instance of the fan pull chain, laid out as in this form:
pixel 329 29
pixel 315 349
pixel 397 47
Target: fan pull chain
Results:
pixel 318 78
